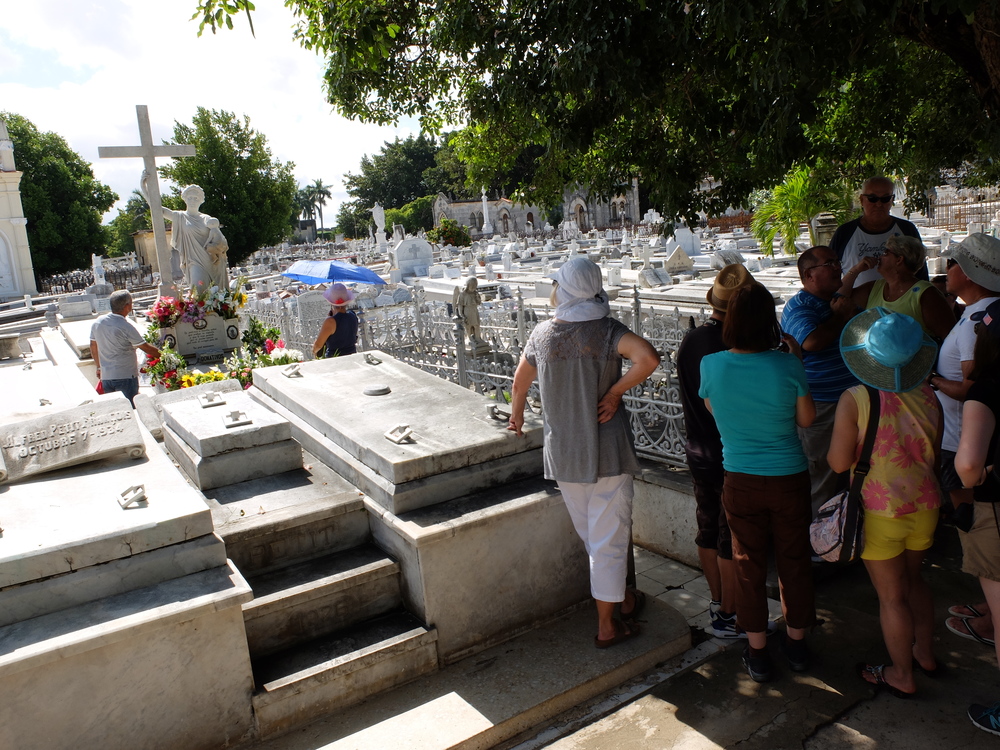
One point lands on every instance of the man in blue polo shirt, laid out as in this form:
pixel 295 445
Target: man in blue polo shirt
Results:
pixel 815 317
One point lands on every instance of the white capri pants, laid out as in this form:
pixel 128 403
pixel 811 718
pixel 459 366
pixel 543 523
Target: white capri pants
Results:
pixel 602 516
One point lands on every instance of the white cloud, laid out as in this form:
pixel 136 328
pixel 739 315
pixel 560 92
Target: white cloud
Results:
pixel 79 69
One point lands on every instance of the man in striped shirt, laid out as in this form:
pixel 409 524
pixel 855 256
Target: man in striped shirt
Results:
pixel 815 317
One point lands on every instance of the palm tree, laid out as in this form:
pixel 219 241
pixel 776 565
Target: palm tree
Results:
pixel 305 203
pixel 796 201
pixel 319 193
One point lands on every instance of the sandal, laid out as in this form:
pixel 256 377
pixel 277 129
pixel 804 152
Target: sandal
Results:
pixel 638 604
pixel 952 623
pixel 623 632
pixel 875 671
pixel 970 611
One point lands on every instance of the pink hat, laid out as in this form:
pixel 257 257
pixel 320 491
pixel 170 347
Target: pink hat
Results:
pixel 339 295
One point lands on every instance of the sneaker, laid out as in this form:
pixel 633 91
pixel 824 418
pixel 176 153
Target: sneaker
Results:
pixel 758 667
pixel 724 626
pixel 797 654
pixel 714 608
pixel 986 718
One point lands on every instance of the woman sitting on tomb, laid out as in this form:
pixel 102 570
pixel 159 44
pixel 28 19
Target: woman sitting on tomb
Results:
pixel 339 333
pixel 899 290
pixel 758 395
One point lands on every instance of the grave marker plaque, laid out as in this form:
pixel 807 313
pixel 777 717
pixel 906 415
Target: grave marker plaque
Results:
pixel 85 433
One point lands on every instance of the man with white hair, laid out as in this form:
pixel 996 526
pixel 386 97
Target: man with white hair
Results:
pixel 113 341
pixel 866 235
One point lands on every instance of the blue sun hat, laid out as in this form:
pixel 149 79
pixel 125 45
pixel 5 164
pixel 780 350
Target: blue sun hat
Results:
pixel 886 350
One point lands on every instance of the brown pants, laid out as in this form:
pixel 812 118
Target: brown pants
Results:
pixel 760 509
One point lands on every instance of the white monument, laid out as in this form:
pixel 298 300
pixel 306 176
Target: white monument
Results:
pixel 487 227
pixel 17 277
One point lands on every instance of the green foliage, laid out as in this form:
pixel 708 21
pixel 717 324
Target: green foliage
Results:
pixel 255 335
pixel 450 233
pixel 798 200
pixel 319 194
pixel 414 216
pixel 354 219
pixel 249 191
pixel 672 91
pixel 131 219
pixel 62 201
pixel 393 177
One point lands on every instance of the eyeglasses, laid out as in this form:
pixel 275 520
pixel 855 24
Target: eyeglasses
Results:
pixel 831 263
pixel 872 198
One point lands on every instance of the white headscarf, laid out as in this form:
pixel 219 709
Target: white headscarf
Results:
pixel 580 294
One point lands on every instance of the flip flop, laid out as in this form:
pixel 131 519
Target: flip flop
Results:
pixel 880 684
pixel 969 633
pixel 623 632
pixel 955 611
pixel 638 605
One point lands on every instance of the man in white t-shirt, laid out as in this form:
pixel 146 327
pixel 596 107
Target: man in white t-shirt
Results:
pixel 866 235
pixel 973 276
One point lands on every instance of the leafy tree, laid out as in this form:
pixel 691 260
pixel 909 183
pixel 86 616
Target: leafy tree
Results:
pixel 798 200
pixel 249 191
pixel 319 193
pixel 304 204
pixel 450 233
pixel 414 216
pixel 62 201
pixel 394 177
pixel 131 219
pixel 672 91
pixel 354 218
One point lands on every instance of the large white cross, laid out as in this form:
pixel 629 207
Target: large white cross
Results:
pixel 148 152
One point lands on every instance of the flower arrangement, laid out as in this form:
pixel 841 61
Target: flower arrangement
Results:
pixel 167 370
pixel 197 303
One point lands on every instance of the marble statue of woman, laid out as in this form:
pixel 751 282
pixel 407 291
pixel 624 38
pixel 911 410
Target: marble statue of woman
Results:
pixel 466 305
pixel 197 242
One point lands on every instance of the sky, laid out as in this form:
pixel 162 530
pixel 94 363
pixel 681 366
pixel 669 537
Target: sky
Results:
pixel 79 68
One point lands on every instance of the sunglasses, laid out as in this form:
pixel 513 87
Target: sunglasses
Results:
pixel 872 198
pixel 831 263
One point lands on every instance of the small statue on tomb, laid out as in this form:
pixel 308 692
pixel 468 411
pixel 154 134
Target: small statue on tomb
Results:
pixel 378 214
pixel 192 232
pixel 466 305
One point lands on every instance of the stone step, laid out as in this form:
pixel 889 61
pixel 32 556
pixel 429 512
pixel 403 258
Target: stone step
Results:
pixel 273 522
pixel 496 695
pixel 336 671
pixel 315 598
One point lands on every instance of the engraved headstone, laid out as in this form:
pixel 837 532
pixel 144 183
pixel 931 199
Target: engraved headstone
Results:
pixel 410 253
pixel 102 429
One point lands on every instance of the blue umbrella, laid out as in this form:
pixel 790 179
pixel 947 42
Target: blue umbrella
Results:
pixel 325 271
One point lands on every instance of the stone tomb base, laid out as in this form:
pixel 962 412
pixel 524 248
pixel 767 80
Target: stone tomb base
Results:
pixel 213 454
pixel 119 627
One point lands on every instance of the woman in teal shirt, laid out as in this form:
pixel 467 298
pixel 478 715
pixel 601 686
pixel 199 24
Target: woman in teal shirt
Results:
pixel 758 395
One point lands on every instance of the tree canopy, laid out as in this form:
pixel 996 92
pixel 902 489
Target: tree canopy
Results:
pixel 673 92
pixel 131 219
pixel 246 188
pixel 62 200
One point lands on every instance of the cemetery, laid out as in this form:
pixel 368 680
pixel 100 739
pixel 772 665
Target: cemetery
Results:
pixel 288 536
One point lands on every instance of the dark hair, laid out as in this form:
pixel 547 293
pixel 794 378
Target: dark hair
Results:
pixel 986 356
pixel 750 322
pixel 808 260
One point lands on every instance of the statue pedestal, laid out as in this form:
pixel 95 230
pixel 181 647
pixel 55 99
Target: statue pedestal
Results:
pixel 207 339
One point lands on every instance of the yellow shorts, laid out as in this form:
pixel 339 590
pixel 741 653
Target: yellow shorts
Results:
pixel 886 538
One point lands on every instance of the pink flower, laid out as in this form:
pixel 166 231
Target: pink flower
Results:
pixel 906 508
pixel 268 346
pixel 875 495
pixel 930 494
pixel 885 439
pixel 909 451
pixel 890 404
pixel 281 344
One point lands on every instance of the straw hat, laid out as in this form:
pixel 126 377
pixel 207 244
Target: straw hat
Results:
pixel 978 255
pixel 730 278
pixel 339 295
pixel 886 350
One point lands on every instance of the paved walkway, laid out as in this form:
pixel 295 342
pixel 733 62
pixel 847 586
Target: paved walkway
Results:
pixel 716 704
